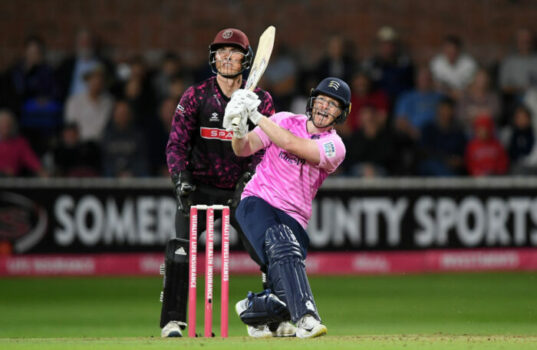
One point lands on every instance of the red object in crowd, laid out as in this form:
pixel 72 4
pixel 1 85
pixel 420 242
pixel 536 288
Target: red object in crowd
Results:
pixel 377 99
pixel 485 155
pixel 15 155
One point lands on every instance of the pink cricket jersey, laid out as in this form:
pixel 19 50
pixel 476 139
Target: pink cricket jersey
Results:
pixel 288 182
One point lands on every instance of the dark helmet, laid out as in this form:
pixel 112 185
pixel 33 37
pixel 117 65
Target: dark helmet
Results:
pixel 231 37
pixel 337 89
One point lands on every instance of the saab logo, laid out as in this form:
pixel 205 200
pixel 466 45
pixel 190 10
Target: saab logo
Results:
pixel 214 117
pixel 329 149
pixel 333 84
pixel 22 221
pixel 227 34
pixel 214 133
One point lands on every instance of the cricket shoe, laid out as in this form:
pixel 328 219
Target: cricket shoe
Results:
pixel 173 329
pixel 262 308
pixel 310 327
pixel 276 329
pixel 261 331
pixel 282 329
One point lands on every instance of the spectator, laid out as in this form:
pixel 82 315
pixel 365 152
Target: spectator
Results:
pixel 479 99
pixel 452 69
pixel 178 85
pixel 72 70
pixel 16 156
pixel 363 95
pixel 124 147
pixel 74 158
pixel 521 143
pixel 280 78
pixel 170 67
pixel 371 151
pixel 35 95
pixel 91 110
pixel 518 71
pixel 390 69
pixel 338 60
pixel 443 143
pixel 417 107
pixel 484 154
pixel 137 91
pixel 157 137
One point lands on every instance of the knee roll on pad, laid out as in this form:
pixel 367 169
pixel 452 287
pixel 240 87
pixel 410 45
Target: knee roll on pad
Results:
pixel 287 272
pixel 175 284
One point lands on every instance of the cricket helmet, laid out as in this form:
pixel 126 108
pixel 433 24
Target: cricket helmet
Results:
pixel 337 89
pixel 231 37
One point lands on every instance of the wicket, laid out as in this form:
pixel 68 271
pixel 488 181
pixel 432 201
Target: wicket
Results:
pixel 209 266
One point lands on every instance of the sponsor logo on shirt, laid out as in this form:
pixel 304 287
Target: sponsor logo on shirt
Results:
pixel 291 158
pixel 217 134
pixel 181 108
pixel 329 149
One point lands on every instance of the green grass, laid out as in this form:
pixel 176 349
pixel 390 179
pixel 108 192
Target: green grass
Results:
pixel 448 311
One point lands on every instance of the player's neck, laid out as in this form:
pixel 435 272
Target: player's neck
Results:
pixel 229 85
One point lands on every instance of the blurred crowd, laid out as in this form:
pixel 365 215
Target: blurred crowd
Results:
pixel 91 116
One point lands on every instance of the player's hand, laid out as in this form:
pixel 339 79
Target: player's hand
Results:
pixel 241 129
pixel 234 109
pixel 249 98
pixel 251 102
pixel 183 187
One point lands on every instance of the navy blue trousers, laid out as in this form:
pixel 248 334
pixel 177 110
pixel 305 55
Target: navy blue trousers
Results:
pixel 255 216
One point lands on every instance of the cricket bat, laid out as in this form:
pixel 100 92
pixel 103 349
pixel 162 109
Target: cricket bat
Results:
pixel 261 59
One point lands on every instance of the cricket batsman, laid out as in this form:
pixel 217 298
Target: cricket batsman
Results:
pixel 300 152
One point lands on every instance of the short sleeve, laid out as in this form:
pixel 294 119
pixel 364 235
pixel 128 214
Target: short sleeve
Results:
pixel 332 152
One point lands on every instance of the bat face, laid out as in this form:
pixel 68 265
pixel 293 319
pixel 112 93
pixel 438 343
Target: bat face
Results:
pixel 262 56
pixel 255 74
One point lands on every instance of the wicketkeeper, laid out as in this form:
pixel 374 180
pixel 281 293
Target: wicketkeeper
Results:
pixel 203 167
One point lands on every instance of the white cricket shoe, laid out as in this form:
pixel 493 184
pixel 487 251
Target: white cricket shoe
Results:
pixel 285 329
pixel 261 331
pixel 310 327
pixel 173 329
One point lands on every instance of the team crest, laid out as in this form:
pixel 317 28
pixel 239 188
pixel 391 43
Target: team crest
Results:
pixel 227 34
pixel 333 84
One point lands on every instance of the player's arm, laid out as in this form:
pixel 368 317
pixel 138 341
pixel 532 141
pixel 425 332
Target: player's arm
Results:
pixel 184 125
pixel 304 148
pixel 246 146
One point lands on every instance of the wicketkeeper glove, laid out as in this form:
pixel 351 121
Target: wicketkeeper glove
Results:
pixel 183 187
pixel 239 187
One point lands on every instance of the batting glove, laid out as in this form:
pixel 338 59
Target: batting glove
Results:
pixel 251 102
pixel 234 109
